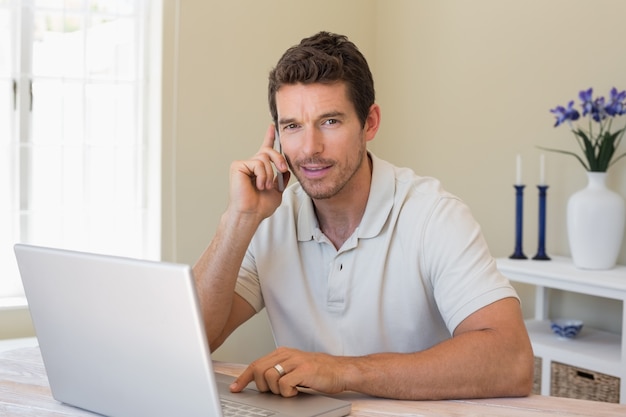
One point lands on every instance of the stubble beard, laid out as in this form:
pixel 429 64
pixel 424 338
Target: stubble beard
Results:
pixel 327 188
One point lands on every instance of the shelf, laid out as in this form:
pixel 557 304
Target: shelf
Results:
pixel 560 273
pixel 591 348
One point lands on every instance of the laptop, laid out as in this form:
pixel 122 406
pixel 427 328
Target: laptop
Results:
pixel 124 337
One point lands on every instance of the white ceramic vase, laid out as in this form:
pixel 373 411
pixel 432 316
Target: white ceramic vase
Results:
pixel 595 224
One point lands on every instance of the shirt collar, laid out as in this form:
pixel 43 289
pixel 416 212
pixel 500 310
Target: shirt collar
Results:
pixel 379 204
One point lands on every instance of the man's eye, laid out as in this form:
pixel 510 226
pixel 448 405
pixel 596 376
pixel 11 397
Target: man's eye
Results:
pixel 331 121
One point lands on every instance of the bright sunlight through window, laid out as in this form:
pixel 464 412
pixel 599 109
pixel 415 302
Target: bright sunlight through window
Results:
pixel 77 162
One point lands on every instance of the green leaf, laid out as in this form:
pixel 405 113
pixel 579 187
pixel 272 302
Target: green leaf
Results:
pixel 606 151
pixel 588 148
pixel 566 153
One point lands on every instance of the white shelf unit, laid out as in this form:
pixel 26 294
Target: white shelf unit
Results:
pixel 592 349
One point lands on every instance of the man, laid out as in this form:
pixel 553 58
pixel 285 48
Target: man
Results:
pixel 374 279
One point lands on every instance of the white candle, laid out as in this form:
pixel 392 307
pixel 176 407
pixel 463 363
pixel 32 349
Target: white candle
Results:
pixel 542 169
pixel 518 178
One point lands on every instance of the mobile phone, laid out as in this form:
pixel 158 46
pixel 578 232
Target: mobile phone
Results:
pixel 281 183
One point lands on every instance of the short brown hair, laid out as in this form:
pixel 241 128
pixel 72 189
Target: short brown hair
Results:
pixel 325 58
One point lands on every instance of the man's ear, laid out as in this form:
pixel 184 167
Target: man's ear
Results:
pixel 372 122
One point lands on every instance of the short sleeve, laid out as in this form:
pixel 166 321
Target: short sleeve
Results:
pixel 248 285
pixel 464 275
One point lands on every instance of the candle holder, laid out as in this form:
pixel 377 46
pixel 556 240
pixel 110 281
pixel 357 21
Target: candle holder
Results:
pixel 541 250
pixel 519 214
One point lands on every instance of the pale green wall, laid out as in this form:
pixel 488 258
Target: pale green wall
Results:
pixel 464 86
pixel 15 323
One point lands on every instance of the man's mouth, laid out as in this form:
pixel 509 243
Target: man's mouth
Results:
pixel 315 171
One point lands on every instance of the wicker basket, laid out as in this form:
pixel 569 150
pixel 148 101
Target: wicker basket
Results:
pixel 572 382
pixel 537 377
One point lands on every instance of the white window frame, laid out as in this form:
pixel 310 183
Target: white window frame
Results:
pixel 14 218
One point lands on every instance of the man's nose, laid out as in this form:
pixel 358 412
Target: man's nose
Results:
pixel 312 143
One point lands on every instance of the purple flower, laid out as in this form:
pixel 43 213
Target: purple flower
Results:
pixel 563 114
pixel 591 106
pixel 598 113
pixel 586 101
pixel 616 105
pixel 599 141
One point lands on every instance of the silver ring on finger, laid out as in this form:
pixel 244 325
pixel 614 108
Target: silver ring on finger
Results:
pixel 280 370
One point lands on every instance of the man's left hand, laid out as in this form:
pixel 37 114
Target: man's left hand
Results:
pixel 285 369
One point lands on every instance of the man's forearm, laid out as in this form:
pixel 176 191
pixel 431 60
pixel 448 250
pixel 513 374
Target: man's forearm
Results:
pixel 473 365
pixel 216 270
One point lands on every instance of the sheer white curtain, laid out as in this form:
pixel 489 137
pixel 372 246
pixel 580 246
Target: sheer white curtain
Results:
pixel 75 154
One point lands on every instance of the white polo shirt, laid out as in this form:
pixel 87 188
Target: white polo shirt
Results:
pixel 415 268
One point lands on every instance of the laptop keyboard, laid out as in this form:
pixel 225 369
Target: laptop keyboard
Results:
pixel 234 409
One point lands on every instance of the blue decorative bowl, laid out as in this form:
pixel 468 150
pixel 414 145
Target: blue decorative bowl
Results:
pixel 566 328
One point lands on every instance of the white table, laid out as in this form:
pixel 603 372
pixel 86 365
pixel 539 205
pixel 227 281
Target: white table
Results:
pixel 24 391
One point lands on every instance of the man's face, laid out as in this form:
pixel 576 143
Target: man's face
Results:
pixel 321 137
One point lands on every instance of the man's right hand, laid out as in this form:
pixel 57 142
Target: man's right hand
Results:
pixel 253 188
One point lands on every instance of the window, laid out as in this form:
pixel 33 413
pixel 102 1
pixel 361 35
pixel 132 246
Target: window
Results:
pixel 78 167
